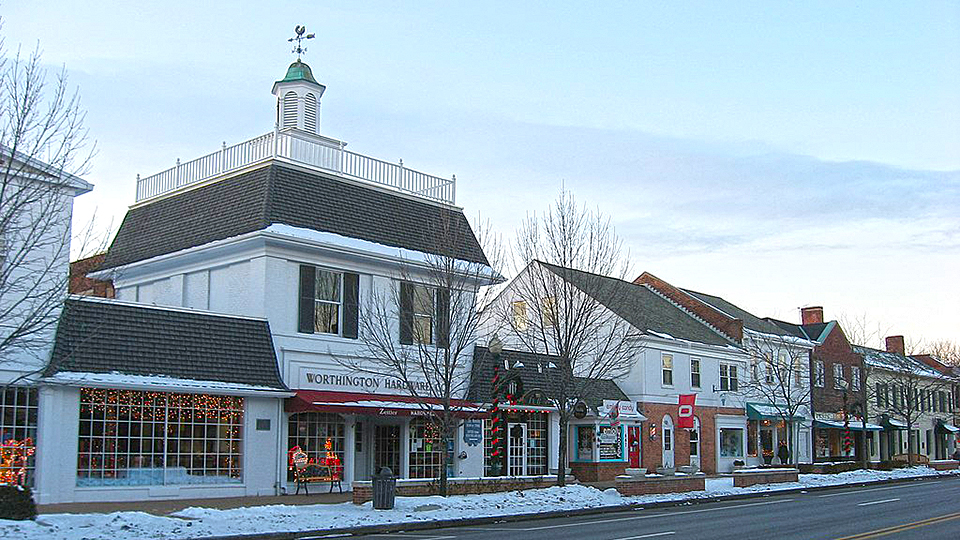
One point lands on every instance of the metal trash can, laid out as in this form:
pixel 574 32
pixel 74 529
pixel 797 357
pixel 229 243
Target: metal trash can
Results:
pixel 384 489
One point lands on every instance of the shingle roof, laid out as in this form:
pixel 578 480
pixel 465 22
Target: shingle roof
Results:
pixel 101 336
pixel 640 306
pixel 750 320
pixel 894 362
pixel 814 332
pixel 277 193
pixel 533 377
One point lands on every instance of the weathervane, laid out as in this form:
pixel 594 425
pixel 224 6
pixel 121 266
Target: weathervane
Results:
pixel 298 48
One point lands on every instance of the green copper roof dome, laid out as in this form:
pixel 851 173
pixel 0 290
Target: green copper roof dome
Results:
pixel 298 71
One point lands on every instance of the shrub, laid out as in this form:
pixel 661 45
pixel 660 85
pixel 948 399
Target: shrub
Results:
pixel 16 502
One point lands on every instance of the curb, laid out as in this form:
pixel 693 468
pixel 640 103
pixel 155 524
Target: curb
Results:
pixel 512 518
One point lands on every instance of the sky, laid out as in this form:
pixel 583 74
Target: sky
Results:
pixel 777 154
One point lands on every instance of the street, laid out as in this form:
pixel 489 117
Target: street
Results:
pixel 922 509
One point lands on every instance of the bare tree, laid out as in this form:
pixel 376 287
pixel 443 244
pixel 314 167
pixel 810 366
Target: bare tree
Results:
pixel 420 331
pixel 945 351
pixel 44 149
pixel 780 377
pixel 570 267
pixel 904 389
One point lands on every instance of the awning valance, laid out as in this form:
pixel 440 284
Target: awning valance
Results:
pixel 765 411
pixel 376 404
pixel 854 425
pixel 944 427
pixel 890 423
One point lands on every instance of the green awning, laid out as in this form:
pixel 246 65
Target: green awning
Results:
pixel 944 427
pixel 854 426
pixel 890 423
pixel 765 411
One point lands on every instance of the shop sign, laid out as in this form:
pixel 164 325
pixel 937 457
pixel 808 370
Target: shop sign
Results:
pixel 624 409
pixel 473 432
pixel 580 410
pixel 356 382
pixel 610 443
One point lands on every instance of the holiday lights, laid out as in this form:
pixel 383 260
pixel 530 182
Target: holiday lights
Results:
pixel 14 459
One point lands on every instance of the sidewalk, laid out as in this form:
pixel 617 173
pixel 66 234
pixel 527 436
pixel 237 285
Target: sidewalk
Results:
pixel 166 507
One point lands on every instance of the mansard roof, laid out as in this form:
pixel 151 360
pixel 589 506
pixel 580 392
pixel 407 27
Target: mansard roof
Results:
pixel 98 336
pixel 642 307
pixel 276 193
pixel 536 374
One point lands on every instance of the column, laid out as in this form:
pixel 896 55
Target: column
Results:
pixel 349 449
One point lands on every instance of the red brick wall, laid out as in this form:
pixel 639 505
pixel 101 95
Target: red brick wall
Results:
pixel 652 451
pixel 835 349
pixel 669 484
pixel 597 472
pixel 749 479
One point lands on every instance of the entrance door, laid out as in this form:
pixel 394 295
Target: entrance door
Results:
pixel 633 446
pixel 667 442
pixel 766 444
pixel 386 448
pixel 695 444
pixel 516 449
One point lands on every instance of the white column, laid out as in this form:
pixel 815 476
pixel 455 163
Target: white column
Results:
pixel 405 448
pixel 349 449
pixel 553 444
pixel 57 433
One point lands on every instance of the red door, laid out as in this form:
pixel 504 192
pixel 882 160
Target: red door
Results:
pixel 633 446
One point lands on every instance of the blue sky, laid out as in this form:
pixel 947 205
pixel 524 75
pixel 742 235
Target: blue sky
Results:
pixel 778 154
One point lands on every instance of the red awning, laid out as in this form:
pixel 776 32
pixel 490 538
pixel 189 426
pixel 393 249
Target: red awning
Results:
pixel 375 404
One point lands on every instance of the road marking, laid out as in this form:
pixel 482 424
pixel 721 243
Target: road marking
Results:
pixel 877 502
pixel 614 520
pixel 900 528
pixel 858 491
pixel 651 535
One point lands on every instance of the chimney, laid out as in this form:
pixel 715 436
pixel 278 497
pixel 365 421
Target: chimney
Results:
pixel 811 315
pixel 895 345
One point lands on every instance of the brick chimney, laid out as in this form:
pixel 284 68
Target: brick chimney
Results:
pixel 895 345
pixel 811 315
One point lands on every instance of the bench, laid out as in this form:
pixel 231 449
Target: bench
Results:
pixel 918 459
pixel 312 473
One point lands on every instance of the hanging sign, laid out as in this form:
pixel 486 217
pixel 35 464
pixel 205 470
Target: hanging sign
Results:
pixel 473 432
pixel 580 410
pixel 686 410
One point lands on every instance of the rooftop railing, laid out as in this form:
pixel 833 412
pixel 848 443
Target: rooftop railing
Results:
pixel 326 155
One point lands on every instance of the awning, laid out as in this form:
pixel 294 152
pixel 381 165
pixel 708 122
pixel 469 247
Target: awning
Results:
pixel 853 425
pixel 765 411
pixel 890 423
pixel 375 404
pixel 944 427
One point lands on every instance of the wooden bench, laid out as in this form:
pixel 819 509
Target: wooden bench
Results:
pixel 311 473
pixel 918 459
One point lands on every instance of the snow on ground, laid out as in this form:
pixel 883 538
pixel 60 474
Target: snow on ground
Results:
pixel 199 522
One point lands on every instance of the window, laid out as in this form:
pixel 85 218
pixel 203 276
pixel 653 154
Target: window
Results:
pixel 783 368
pixel 943 401
pixel 424 315
pixel 838 381
pixel 520 316
pixel 667 369
pixel 768 378
pixel 755 369
pixel 426 450
pixel 320 436
pixel 819 373
pixel 548 312
pixel 881 401
pixel 855 377
pixel 798 371
pixel 731 442
pixel 728 378
pixel 18 432
pixel 328 302
pixel 695 372
pixel 133 438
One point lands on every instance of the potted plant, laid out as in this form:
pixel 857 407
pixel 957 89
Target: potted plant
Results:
pixel 768 457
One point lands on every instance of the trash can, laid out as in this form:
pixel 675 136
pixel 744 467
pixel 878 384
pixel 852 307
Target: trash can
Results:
pixel 384 489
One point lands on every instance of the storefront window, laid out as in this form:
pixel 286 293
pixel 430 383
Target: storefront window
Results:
pixel 320 436
pixel 18 435
pixel 537 439
pixel 132 438
pixel 611 443
pixel 585 442
pixel 752 438
pixel 426 451
pixel 731 442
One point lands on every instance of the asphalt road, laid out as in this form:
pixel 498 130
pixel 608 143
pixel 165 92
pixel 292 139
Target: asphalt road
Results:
pixel 922 509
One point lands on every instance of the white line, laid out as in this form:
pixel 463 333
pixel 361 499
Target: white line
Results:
pixel 858 491
pixel 651 535
pixel 597 521
pixel 878 502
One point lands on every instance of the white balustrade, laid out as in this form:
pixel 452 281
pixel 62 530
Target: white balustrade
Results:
pixel 299 149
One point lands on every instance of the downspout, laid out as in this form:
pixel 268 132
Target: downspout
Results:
pixel 279 485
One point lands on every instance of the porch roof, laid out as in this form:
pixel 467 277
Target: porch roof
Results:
pixel 853 426
pixel 765 411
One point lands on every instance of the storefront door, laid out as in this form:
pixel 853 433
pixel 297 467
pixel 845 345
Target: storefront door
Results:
pixel 695 444
pixel 667 442
pixel 766 444
pixel 516 449
pixel 386 448
pixel 633 446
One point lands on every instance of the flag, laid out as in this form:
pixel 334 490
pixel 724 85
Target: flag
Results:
pixel 686 410
pixel 615 415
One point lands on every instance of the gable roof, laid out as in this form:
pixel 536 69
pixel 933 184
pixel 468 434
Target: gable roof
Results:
pixel 750 320
pixel 279 193
pixel 536 373
pixel 897 363
pixel 103 336
pixel 814 332
pixel 641 306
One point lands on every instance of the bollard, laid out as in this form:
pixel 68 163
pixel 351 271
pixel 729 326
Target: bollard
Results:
pixel 384 489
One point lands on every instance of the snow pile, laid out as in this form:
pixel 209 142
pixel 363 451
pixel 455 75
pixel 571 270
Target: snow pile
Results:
pixel 199 522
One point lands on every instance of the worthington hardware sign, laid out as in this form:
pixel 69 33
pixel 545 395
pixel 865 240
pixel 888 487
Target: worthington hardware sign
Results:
pixel 357 382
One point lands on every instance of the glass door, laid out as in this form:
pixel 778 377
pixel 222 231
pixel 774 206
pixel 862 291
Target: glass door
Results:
pixel 516 449
pixel 386 448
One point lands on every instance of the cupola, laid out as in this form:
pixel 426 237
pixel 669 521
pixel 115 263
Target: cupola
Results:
pixel 298 99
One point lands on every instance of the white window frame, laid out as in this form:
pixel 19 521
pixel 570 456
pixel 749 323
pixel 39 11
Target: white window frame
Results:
pixel 429 314
pixel 729 381
pixel 666 369
pixel 519 308
pixel 838 378
pixel 318 302
pixel 695 378
pixel 855 378
pixel 819 373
